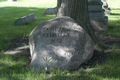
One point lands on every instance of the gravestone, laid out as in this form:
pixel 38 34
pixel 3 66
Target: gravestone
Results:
pixel 24 20
pixel 105 7
pixel 98 19
pixel 14 0
pixel 63 40
pixel 51 11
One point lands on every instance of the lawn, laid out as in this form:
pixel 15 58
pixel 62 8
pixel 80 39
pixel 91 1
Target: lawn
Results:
pixel 16 67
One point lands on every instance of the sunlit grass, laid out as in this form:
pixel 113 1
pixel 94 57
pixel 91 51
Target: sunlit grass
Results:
pixel 114 21
pixel 113 4
pixel 11 11
pixel 114 18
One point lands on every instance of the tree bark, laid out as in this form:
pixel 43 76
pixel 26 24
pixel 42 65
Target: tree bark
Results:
pixel 78 10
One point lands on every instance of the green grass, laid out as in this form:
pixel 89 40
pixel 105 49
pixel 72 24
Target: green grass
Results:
pixel 10 11
pixel 114 21
pixel 16 67
pixel 114 18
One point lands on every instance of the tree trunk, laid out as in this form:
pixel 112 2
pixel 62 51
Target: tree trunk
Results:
pixel 77 10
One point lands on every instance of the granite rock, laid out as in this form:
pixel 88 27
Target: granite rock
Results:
pixel 61 39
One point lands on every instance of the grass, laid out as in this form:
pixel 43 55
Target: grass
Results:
pixel 16 67
pixel 15 10
pixel 114 18
pixel 114 21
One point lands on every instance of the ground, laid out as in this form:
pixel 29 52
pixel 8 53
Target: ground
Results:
pixel 21 46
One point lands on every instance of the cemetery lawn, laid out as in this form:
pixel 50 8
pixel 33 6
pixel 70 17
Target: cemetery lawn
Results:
pixel 14 49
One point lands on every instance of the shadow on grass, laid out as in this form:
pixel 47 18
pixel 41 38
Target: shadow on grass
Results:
pixel 115 8
pixel 114 22
pixel 115 14
pixel 12 66
pixel 110 68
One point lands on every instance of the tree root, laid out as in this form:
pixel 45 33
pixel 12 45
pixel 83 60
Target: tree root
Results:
pixel 112 40
pixel 104 46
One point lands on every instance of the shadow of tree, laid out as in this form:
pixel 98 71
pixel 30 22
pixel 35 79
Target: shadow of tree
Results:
pixel 115 8
pixel 114 13
pixel 12 66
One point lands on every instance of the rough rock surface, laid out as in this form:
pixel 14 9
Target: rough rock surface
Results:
pixel 63 40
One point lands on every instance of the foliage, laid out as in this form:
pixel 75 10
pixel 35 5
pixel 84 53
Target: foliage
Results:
pixel 47 60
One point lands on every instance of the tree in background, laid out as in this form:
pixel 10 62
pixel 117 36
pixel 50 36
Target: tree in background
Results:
pixel 78 10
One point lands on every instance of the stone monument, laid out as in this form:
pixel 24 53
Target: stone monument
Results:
pixel 62 40
pixel 105 7
pixel 96 13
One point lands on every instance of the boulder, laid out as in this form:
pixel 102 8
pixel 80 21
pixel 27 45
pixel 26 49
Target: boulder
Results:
pixel 63 41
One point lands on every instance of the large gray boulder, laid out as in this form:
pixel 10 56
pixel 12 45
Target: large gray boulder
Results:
pixel 63 40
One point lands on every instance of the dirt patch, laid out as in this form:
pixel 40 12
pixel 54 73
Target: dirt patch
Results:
pixel 19 47
pixel 98 57
pixel 18 42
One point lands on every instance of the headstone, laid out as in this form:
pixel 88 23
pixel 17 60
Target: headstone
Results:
pixel 14 0
pixel 98 19
pixel 63 40
pixel 24 20
pixel 105 7
pixel 94 8
pixel 51 11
